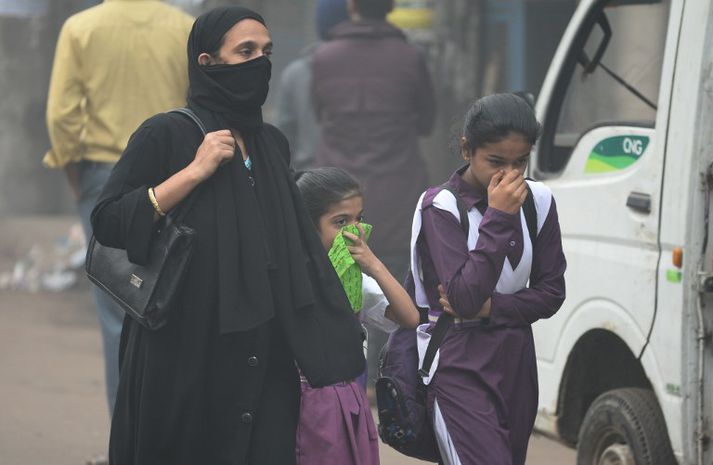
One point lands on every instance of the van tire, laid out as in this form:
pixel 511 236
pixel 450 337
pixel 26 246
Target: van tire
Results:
pixel 624 422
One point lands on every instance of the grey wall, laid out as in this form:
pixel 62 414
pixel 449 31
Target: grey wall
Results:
pixel 455 59
pixel 27 38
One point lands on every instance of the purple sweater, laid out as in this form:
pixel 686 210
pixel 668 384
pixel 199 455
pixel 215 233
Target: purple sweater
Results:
pixel 374 98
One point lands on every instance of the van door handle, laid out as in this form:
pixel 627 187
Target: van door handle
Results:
pixel 639 202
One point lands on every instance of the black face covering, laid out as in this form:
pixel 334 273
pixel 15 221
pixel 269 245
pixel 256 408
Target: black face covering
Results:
pixel 247 82
pixel 234 94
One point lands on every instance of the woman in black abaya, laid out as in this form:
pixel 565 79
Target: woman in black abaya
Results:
pixel 218 385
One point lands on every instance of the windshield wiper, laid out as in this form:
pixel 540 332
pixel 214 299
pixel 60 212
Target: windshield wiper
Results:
pixel 628 86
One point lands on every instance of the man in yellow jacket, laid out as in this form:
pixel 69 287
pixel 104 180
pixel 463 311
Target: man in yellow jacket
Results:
pixel 115 65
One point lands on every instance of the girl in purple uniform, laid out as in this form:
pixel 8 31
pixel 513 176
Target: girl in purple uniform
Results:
pixel 482 388
pixel 335 424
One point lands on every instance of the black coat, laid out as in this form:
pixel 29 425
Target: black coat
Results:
pixel 188 394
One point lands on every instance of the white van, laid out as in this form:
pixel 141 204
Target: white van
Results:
pixel 626 366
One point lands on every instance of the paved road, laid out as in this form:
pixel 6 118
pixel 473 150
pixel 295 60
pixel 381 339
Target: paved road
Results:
pixel 52 407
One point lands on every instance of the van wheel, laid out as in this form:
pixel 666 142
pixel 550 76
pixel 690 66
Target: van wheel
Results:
pixel 624 427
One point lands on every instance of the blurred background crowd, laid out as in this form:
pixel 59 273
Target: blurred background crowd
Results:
pixel 473 48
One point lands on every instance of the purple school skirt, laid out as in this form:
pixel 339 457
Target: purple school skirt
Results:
pixel 336 426
pixel 486 389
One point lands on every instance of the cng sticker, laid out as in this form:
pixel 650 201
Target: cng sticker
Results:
pixel 616 153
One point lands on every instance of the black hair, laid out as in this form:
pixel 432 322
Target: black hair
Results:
pixel 323 187
pixel 374 9
pixel 490 119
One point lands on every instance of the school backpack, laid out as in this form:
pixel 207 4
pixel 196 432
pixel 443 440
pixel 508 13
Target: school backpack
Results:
pixel 400 391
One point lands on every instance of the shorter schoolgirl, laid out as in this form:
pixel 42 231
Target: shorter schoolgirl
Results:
pixel 336 425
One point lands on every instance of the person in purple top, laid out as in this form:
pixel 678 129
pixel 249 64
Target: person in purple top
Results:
pixel 373 98
pixel 482 388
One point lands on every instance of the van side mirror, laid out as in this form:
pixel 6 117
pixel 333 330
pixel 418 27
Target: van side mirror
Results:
pixel 591 65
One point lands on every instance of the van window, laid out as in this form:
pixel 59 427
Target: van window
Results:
pixel 586 98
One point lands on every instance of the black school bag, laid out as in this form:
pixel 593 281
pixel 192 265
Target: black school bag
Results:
pixel 400 391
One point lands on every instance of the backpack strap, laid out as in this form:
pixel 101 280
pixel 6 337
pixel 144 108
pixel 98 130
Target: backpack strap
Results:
pixel 530 211
pixel 445 320
pixel 462 210
pixel 528 208
pixel 437 335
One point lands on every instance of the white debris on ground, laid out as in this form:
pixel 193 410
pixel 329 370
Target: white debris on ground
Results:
pixel 54 268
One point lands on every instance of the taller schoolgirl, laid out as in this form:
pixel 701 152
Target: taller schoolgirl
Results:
pixel 482 388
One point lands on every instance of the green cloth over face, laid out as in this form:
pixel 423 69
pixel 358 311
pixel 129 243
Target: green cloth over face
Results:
pixel 347 269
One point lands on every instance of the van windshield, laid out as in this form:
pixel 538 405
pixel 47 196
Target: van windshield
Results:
pixel 593 96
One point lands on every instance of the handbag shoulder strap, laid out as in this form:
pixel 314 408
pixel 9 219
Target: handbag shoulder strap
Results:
pixel 192 115
pixel 178 213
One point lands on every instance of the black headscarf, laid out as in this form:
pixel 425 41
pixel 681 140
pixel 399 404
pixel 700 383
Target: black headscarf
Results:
pixel 271 261
pixel 234 93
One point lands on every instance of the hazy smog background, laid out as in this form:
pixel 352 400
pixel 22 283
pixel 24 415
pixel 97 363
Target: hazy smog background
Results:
pixel 52 403
pixel 475 47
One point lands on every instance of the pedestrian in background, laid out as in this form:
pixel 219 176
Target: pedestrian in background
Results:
pixel 374 98
pixel 482 388
pixel 294 111
pixel 218 384
pixel 115 65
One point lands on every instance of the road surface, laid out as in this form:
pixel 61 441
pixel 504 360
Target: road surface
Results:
pixel 52 404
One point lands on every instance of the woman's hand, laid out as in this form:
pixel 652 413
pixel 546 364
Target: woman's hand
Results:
pixel 443 300
pixel 507 191
pixel 217 148
pixel 362 254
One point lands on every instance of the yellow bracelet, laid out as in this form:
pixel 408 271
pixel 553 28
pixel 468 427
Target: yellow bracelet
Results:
pixel 154 202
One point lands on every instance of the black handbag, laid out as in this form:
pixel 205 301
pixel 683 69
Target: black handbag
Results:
pixel 148 292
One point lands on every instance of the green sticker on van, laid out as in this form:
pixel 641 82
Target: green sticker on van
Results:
pixel 616 153
pixel 674 276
